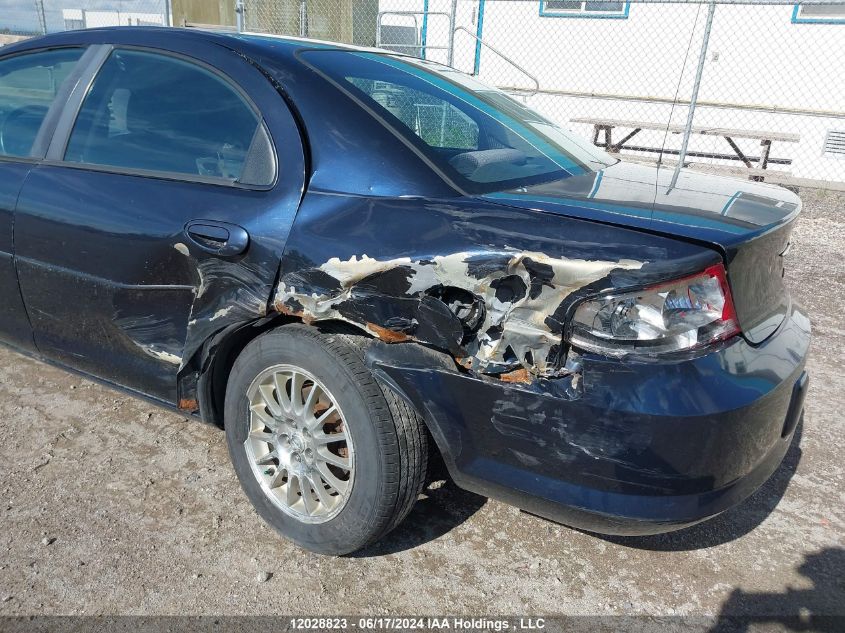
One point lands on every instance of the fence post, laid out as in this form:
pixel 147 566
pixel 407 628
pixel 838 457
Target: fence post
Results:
pixel 239 15
pixel 303 19
pixel 711 11
pixel 450 54
pixel 168 19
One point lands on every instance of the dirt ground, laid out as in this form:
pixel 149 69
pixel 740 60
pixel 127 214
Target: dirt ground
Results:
pixel 109 505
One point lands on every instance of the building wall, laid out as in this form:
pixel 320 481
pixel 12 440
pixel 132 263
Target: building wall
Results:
pixel 218 12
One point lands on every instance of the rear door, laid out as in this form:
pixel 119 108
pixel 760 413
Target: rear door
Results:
pixel 135 237
pixel 29 84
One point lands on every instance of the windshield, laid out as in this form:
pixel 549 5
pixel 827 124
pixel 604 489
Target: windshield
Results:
pixel 478 137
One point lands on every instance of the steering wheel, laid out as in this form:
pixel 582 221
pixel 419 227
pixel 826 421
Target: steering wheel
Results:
pixel 19 129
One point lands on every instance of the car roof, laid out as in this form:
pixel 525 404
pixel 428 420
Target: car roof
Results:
pixel 119 34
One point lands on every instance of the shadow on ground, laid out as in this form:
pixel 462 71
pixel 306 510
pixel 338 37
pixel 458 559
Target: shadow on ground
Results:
pixel 820 608
pixel 442 507
pixel 731 524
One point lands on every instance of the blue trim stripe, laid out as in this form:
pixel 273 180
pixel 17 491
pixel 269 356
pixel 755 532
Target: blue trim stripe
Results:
pixel 479 30
pixel 550 151
pixel 589 15
pixel 728 204
pixel 797 19
pixel 596 184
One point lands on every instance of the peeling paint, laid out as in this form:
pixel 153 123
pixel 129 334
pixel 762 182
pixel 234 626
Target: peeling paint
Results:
pixel 491 309
pixel 221 313
pixel 159 338
pixel 162 355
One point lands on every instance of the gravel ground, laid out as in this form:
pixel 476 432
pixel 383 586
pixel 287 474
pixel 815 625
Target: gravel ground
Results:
pixel 109 505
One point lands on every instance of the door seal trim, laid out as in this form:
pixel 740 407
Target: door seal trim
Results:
pixel 48 126
pixel 70 109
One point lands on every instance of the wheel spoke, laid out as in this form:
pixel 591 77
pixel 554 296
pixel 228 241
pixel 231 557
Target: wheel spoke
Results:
pixel 263 437
pixel 310 401
pixel 280 381
pixel 260 412
pixel 267 459
pixel 296 382
pixel 270 400
pixel 320 489
pixel 291 489
pixel 328 438
pixel 315 423
pixel 330 478
pixel 335 460
pixel 307 499
pixel 278 478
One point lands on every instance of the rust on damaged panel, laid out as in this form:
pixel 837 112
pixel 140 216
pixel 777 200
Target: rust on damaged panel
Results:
pixel 188 404
pixel 386 335
pixel 517 375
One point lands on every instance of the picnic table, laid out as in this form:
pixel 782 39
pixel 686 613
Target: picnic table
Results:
pixel 729 134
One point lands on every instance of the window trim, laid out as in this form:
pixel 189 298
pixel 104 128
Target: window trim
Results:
pixel 48 125
pixel 583 14
pixel 67 114
pixel 61 136
pixel 797 19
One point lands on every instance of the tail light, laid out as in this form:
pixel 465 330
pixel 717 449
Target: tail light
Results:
pixel 677 315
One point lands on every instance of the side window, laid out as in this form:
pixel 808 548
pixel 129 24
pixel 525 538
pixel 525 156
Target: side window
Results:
pixel 154 112
pixel 28 85
pixel 437 122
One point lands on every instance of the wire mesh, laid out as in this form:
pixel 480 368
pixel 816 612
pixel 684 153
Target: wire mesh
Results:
pixel 37 17
pixel 770 75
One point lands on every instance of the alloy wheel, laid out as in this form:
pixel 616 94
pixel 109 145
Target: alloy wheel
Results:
pixel 299 445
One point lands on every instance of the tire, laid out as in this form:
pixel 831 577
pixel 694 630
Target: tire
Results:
pixel 388 452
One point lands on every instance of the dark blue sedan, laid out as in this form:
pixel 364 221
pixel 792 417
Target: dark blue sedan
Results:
pixel 358 263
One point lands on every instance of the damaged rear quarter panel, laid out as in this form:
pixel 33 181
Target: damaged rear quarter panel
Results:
pixel 489 284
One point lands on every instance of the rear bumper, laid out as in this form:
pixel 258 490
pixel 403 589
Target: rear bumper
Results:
pixel 631 446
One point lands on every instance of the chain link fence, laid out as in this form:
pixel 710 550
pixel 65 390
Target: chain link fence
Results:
pixel 734 86
pixel 38 17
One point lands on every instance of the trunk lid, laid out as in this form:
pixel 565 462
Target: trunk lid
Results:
pixel 748 222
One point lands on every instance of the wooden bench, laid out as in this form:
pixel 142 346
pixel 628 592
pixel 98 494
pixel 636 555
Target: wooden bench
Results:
pixel 606 126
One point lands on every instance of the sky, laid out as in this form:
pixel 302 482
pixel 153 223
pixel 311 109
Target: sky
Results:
pixel 20 16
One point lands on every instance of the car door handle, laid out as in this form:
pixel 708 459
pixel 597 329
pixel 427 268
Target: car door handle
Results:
pixel 218 238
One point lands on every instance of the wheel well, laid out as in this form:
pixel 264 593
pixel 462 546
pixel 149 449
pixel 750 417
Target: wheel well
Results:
pixel 212 382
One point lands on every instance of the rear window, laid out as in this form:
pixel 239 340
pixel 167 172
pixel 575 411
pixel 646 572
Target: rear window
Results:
pixel 158 113
pixel 479 137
